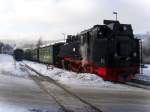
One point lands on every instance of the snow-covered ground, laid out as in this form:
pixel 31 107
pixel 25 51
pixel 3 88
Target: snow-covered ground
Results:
pixel 145 74
pixel 146 71
pixel 19 94
pixel 76 79
pixel 23 95
pixel 8 66
pixel 66 76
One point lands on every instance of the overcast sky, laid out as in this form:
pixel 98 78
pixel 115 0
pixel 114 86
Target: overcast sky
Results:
pixel 32 19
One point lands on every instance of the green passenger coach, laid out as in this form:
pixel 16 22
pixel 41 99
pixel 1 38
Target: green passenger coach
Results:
pixel 49 54
pixel 46 55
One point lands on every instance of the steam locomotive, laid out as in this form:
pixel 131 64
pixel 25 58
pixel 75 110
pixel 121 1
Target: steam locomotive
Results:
pixel 108 50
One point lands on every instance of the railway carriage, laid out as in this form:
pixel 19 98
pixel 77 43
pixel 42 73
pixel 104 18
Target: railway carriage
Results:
pixel 49 54
pixel 27 54
pixel 35 54
pixel 45 55
pixel 18 54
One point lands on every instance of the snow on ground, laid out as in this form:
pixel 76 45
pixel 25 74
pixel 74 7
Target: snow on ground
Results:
pixel 145 74
pixel 77 79
pixel 63 75
pixel 146 71
pixel 9 67
pixel 16 108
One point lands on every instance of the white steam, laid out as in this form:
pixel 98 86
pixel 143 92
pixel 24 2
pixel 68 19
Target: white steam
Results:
pixel 83 50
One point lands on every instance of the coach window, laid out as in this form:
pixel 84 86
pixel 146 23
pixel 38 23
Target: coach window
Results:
pixel 83 39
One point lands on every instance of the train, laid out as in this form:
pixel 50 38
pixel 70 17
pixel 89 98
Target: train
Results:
pixel 110 50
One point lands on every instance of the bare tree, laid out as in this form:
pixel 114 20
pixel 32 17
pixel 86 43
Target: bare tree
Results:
pixel 39 42
pixel 31 46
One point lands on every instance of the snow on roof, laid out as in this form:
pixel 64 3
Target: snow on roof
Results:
pixel 49 44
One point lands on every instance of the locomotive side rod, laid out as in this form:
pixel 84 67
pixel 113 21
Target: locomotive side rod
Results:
pixel 50 80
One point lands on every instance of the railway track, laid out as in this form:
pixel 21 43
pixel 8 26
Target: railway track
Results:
pixel 65 106
pixel 138 85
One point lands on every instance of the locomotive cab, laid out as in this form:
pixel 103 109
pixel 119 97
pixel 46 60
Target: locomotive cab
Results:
pixel 119 52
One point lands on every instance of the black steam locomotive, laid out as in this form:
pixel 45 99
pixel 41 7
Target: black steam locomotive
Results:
pixel 108 50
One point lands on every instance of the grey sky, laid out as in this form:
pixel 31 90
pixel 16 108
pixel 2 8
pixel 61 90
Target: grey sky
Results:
pixel 30 19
